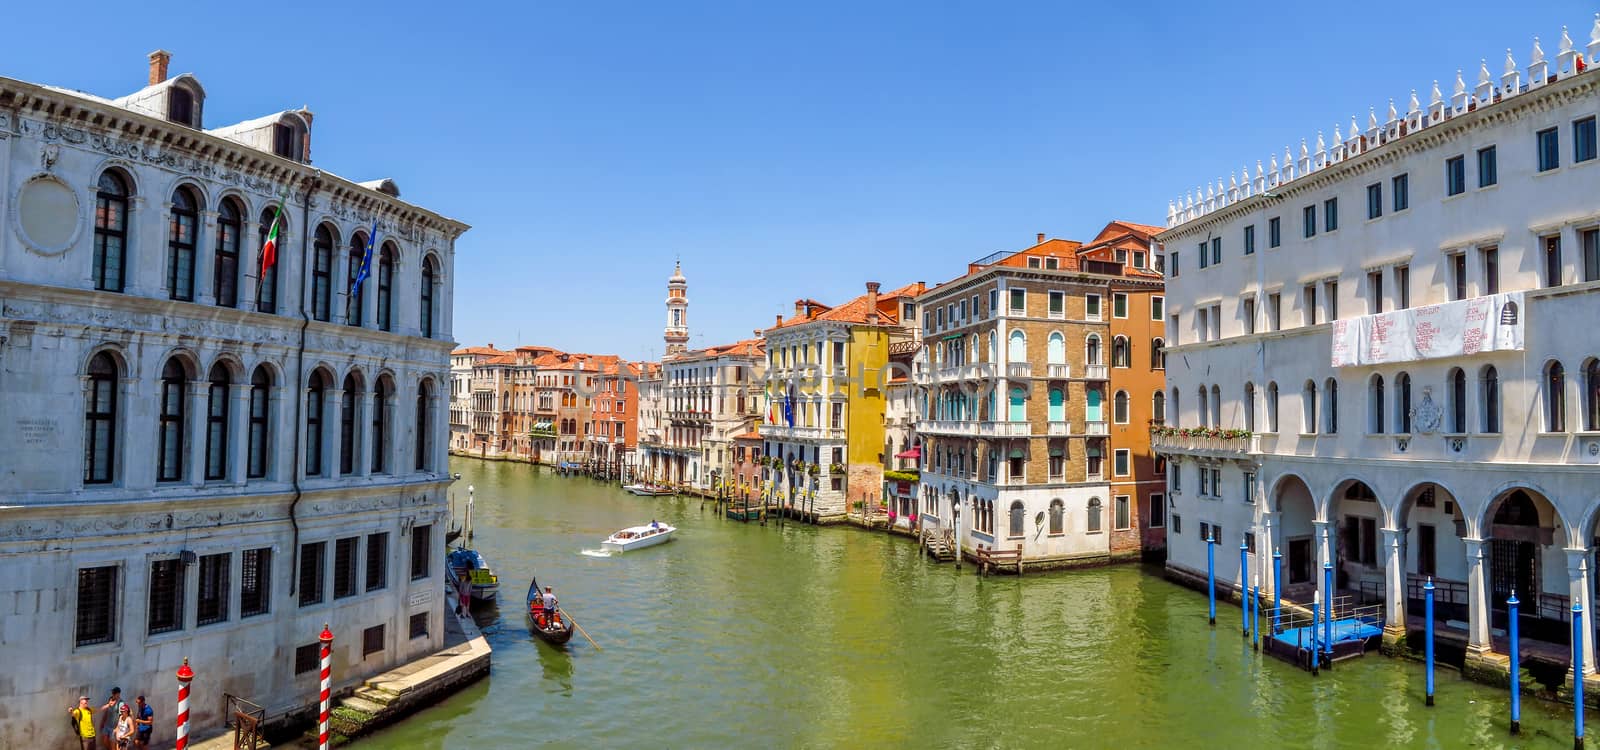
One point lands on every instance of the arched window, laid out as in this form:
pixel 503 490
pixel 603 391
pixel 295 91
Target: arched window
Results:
pixel 1091 405
pixel 1375 410
pixel 1158 355
pixel 1555 398
pixel 1017 347
pixel 1158 408
pixel 430 278
pixel 111 231
pixel 1057 517
pixel 1092 524
pixel 1489 379
pixel 316 401
pixel 170 436
pixel 385 287
pixel 994 348
pixel 1205 408
pixel 100 420
pixel 181 235
pixel 217 412
pixel 1402 404
pixel 1308 407
pixel 1216 406
pixel 1018 411
pixel 1119 407
pixel 424 395
pixel 1058 405
pixel 1250 407
pixel 322 274
pixel 1457 397
pixel 380 425
pixel 356 314
pixel 1330 405
pixel 1591 389
pixel 271 220
pixel 1272 407
pixel 1177 408
pixel 347 425
pixel 225 264
pixel 1091 350
pixel 1017 513
pixel 1056 349
pixel 260 395
pixel 1121 356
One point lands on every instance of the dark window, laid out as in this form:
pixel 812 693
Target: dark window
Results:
pixel 380 426
pixel 421 551
pixel 385 284
pixel 1549 149
pixel 1583 140
pixel 166 596
pixel 316 396
pixel 110 232
pixel 423 393
pixel 1455 175
pixel 1458 276
pixel 312 563
pixel 344 566
pixel 180 106
pixel 1157 516
pixel 371 641
pixel 1591 254
pixel 169 451
pixel 1402 405
pixel 1174 264
pixel 225 271
pixel 1216 250
pixel 1458 401
pixel 428 282
pixel 1555 397
pixel 347 425
pixel 286 141
pixel 181 236
pixel 1250 239
pixel 100 420
pixel 419 625
pixel 1491 399
pixel 1205 257
pixel 1374 200
pixel 1402 287
pixel 212 604
pixel 1487 173
pixel 1401 187
pixel 1427 547
pixel 377 561
pixel 355 311
pixel 1591 395
pixel 255 582
pixel 260 392
pixel 307 658
pixel 1491 270
pixel 1274 232
pixel 1552 261
pixel 217 410
pixel 97 603
pixel 267 284
pixel 1308 220
pixel 322 274
pixel 1330 214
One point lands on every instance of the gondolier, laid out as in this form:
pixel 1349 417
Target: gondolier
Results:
pixel 549 598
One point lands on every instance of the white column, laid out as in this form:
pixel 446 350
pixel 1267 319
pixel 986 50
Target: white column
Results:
pixel 333 426
pixel 1267 545
pixel 1477 597
pixel 197 395
pixel 145 263
pixel 249 263
pixel 1324 555
pixel 238 432
pixel 1578 583
pixel 205 275
pixel 284 461
pixel 1394 579
pixel 364 439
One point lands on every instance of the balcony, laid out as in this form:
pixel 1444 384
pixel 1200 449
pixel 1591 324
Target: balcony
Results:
pixel 1019 370
pixel 1008 429
pixel 1059 372
pixel 1094 372
pixel 1094 427
pixel 1059 429
pixel 803 433
pixel 1202 442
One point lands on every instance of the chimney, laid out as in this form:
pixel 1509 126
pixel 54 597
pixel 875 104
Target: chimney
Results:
pixel 1040 241
pixel 491 344
pixel 799 308
pixel 777 320
pixel 158 66
pixel 872 303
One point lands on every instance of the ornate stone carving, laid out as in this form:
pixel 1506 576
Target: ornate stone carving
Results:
pixel 1427 414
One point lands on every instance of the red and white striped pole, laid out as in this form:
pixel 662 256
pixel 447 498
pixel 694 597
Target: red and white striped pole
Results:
pixel 185 674
pixel 327 686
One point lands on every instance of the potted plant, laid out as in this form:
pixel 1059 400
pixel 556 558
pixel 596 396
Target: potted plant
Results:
pixel 813 469
pixel 836 469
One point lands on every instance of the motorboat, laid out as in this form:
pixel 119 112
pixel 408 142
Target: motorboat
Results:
pixel 648 490
pixel 639 537
pixel 469 566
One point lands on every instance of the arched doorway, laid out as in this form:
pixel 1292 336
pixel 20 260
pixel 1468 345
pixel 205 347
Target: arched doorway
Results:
pixel 1523 555
pixel 1296 537
pixel 1357 545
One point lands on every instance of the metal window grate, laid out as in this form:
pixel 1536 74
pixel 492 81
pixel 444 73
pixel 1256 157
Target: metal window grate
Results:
pixel 212 606
pixel 255 582
pixel 419 625
pixel 344 567
pixel 97 599
pixel 372 640
pixel 166 596
pixel 377 561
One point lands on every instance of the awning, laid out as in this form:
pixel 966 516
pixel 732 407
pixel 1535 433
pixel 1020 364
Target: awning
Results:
pixel 913 453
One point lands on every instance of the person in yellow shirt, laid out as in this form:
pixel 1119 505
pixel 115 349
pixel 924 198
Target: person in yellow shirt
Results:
pixel 83 723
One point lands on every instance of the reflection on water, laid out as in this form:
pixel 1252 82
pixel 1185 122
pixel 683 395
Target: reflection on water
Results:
pixel 738 635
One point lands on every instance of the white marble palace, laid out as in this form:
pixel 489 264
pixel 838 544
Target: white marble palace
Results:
pixel 200 463
pixel 1382 357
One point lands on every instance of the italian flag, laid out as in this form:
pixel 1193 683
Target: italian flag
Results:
pixel 269 250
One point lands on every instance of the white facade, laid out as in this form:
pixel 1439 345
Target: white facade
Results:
pixel 173 534
pixel 1395 483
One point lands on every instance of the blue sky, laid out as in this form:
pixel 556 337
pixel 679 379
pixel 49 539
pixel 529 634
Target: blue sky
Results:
pixel 781 150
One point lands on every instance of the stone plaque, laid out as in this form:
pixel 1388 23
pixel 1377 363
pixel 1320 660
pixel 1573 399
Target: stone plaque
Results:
pixel 47 215
pixel 421 597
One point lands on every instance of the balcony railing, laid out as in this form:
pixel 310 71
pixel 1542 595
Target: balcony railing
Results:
pixel 1008 429
pixel 1094 427
pixel 1059 371
pixel 1019 370
pixel 1059 429
pixel 1094 372
pixel 803 433
pixel 1205 444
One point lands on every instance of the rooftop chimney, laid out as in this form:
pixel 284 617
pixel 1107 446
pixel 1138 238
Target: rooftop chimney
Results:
pixel 158 66
pixel 777 320
pixel 1040 240
pixel 799 308
pixel 872 303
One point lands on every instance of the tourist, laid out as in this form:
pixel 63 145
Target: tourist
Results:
pixel 109 713
pixel 144 723
pixel 654 526
pixel 549 607
pixel 83 723
pixel 124 731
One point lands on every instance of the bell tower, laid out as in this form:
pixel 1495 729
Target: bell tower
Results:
pixel 677 331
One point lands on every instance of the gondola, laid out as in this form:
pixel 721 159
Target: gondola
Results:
pixel 555 633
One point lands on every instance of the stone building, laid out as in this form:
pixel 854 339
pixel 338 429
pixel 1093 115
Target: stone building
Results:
pixel 463 362
pixel 1378 360
pixel 709 397
pixel 206 463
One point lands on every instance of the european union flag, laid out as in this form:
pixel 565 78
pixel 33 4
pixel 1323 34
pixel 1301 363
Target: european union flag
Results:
pixel 366 261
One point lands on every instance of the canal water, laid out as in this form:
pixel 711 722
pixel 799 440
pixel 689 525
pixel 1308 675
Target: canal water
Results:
pixel 738 635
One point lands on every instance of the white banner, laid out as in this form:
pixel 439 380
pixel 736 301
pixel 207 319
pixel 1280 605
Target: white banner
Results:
pixel 1453 329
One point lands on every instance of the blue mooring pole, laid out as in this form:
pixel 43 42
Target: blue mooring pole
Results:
pixel 1255 617
pixel 1277 589
pixel 1244 590
pixel 1327 614
pixel 1516 654
pixel 1577 676
pixel 1316 651
pixel 1211 576
pixel 1427 639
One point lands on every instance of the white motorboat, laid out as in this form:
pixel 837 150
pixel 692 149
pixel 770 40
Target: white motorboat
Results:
pixel 646 490
pixel 639 537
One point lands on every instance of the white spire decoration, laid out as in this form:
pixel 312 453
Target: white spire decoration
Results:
pixel 1483 71
pixel 1461 85
pixel 1594 33
pixel 1538 53
pixel 1437 97
pixel 1352 127
pixel 1372 115
pixel 1414 107
pixel 1511 62
pixel 1566 41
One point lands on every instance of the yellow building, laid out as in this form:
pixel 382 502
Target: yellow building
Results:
pixel 827 372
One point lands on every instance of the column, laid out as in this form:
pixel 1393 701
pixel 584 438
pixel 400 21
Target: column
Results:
pixel 197 394
pixel 249 262
pixel 1394 580
pixel 283 459
pixel 1324 555
pixel 1265 546
pixel 1578 582
pixel 439 453
pixel 365 439
pixel 5 179
pixel 333 432
pixel 238 432
pixel 145 265
pixel 205 259
pixel 1477 598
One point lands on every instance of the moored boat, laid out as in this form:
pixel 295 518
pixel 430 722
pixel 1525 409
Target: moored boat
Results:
pixel 556 631
pixel 638 537
pixel 470 566
pixel 648 490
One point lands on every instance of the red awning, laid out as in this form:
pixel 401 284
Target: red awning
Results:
pixel 913 453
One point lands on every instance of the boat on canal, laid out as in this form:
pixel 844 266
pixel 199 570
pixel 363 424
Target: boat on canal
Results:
pixel 557 631
pixel 469 565
pixel 639 537
pixel 648 490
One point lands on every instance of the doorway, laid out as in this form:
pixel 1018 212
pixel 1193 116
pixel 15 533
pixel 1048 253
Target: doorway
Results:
pixel 1300 560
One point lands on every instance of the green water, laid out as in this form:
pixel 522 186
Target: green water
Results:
pixel 738 635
